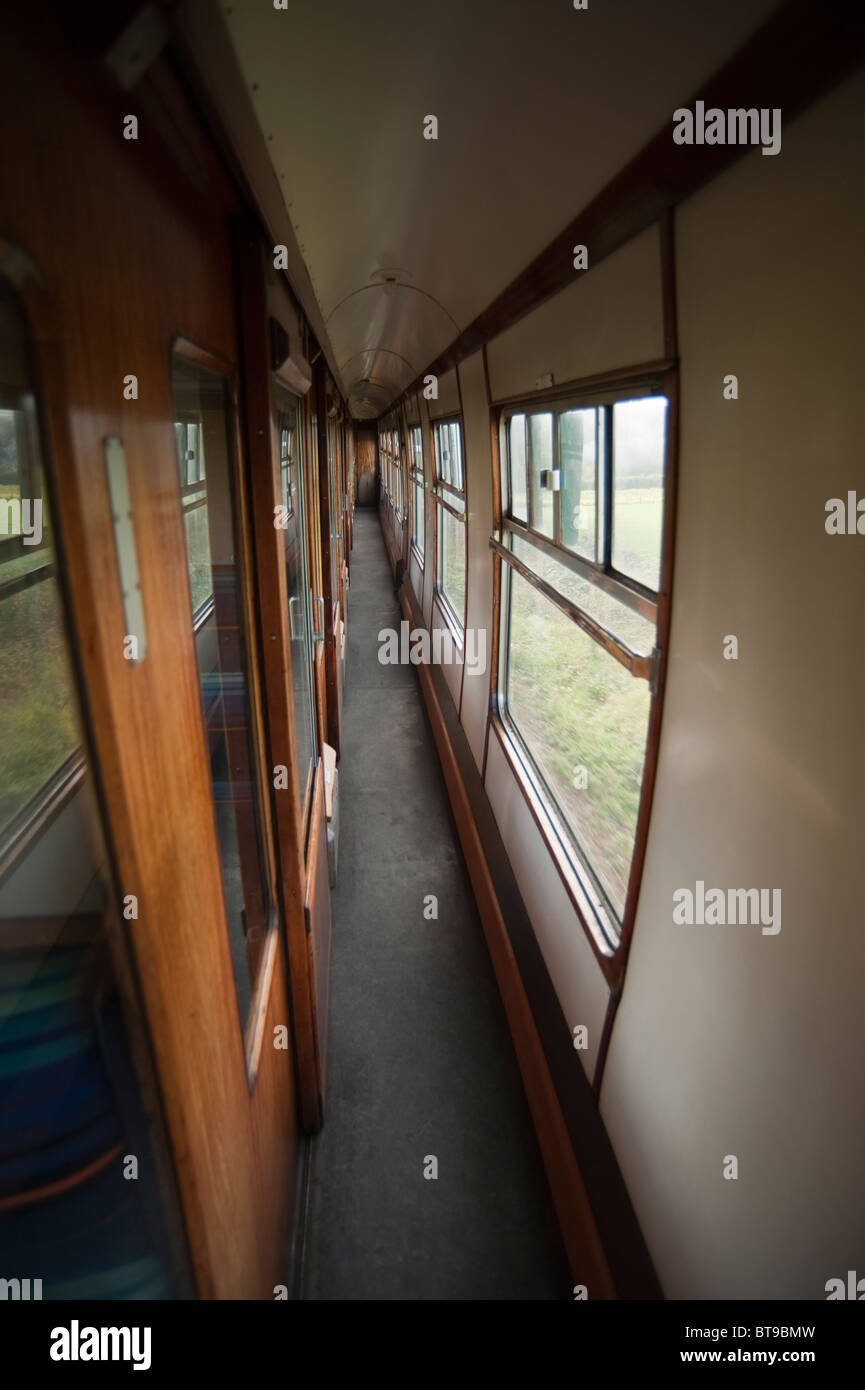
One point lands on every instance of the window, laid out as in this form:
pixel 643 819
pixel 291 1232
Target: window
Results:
pixel 333 463
pixel 38 726
pixel 583 505
pixel 193 497
pixel 450 502
pixel 384 463
pixel 293 499
pixel 417 489
pixel 222 647
pixel 390 467
pixel 397 474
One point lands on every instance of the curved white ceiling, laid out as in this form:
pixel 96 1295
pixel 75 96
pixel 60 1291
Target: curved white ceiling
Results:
pixel 538 106
pixel 387 333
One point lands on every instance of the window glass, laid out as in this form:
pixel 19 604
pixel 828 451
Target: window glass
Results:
pixel 417 489
pixel 517 455
pixel 221 648
pixel 416 449
pixel 418 516
pixel 449 459
pixel 292 496
pixel 193 496
pixel 72 1085
pixel 38 731
pixel 575 707
pixel 541 453
pixel 639 429
pixel 452 554
pixel 637 632
pixel 578 454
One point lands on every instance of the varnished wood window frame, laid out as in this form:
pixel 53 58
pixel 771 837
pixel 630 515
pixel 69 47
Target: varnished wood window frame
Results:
pixel 659 378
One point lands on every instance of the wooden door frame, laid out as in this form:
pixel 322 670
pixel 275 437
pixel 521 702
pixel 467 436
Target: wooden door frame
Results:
pixel 232 1135
pixel 276 657
pixel 331 599
pixel 193 353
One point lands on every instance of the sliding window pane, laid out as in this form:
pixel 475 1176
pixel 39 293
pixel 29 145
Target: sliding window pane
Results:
pixel 193 497
pixel 575 707
pixel 639 432
pixel 459 478
pixel 38 729
pixel 418 529
pixel 38 733
pixel 578 454
pixel 517 459
pixel 637 633
pixel 221 648
pixel 452 555
pixel 443 451
pixel 541 451
pixel 449 458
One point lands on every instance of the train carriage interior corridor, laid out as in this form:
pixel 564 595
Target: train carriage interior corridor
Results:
pixel 432 552
pixel 419 1056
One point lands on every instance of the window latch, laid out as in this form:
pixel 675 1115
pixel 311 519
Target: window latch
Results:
pixel 654 670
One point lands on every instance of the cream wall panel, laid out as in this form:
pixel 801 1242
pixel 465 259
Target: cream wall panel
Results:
pixel 452 659
pixel 728 1041
pixel 448 402
pixel 609 318
pixel 577 978
pixel 52 879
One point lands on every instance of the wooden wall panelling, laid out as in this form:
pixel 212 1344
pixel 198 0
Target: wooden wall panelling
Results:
pixel 122 296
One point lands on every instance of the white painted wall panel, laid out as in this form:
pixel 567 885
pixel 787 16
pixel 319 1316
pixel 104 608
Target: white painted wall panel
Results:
pixel 577 978
pixel 53 878
pixel 452 661
pixel 728 1041
pixel 448 401
pixel 609 318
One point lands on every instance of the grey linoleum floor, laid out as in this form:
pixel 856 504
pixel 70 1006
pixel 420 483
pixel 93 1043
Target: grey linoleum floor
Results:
pixel 420 1060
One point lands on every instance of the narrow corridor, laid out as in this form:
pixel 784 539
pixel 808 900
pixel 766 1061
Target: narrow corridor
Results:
pixel 420 1060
